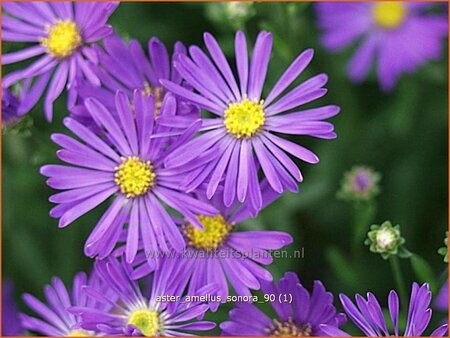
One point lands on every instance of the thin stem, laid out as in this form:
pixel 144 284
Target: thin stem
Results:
pixel 362 218
pixel 397 272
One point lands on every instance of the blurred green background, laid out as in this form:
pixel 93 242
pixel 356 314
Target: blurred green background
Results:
pixel 402 135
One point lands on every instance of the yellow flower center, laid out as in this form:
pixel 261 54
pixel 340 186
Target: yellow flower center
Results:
pixel 389 14
pixel 289 329
pixel 243 119
pixel 78 333
pixel 146 321
pixel 215 232
pixel 158 95
pixel 62 40
pixel 134 177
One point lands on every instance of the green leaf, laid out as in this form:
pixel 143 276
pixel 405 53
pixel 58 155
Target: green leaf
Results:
pixel 423 271
pixel 342 268
pixel 404 253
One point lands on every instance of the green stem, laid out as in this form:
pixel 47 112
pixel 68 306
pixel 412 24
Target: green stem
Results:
pixel 362 218
pixel 397 272
pixel 442 279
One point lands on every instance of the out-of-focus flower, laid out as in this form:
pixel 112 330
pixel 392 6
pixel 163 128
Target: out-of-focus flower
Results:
pixel 62 32
pixel 125 67
pixel 221 253
pixel 360 184
pixel 55 319
pixel 368 316
pixel 299 316
pixel 241 137
pixel 385 239
pixel 444 250
pixel 10 316
pixel 133 314
pixel 398 36
pixel 441 301
pixel 131 170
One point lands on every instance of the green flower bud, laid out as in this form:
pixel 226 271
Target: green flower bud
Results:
pixel 232 13
pixel 444 250
pixel 386 240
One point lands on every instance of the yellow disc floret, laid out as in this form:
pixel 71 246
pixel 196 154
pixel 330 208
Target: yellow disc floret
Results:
pixel 134 176
pixel 243 119
pixel 146 321
pixel 158 96
pixel 62 40
pixel 216 229
pixel 78 333
pixel 389 14
pixel 289 329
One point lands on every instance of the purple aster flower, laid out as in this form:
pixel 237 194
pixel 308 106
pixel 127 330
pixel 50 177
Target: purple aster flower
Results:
pixel 300 316
pixel 220 253
pixel 125 67
pixel 368 315
pixel 242 133
pixel 131 170
pixel 398 36
pixel 61 31
pixel 10 106
pixel 55 319
pixel 10 316
pixel 441 301
pixel 134 314
pixel 16 105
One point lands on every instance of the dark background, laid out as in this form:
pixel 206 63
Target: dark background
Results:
pixel 402 135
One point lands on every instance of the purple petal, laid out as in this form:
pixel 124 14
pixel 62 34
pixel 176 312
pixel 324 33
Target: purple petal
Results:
pixel 293 71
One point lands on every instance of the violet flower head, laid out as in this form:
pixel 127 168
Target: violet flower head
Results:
pixel 60 34
pixel 222 252
pixel 128 168
pixel 125 66
pixel 397 36
pixel 133 314
pixel 10 316
pixel 10 106
pixel 368 316
pixel 241 135
pixel 441 301
pixel 360 184
pixel 54 318
pixel 303 317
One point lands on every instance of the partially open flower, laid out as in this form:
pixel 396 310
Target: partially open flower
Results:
pixel 360 184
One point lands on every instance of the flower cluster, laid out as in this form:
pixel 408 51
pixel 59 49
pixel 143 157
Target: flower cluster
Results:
pixel 180 149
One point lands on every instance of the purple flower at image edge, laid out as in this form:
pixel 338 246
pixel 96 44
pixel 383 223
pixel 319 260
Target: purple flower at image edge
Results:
pixel 441 300
pixel 303 317
pixel 10 316
pixel 133 314
pixel 62 31
pixel 240 138
pixel 368 315
pixel 128 166
pixel 397 36
pixel 222 252
pixel 124 66
pixel 10 108
pixel 55 319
